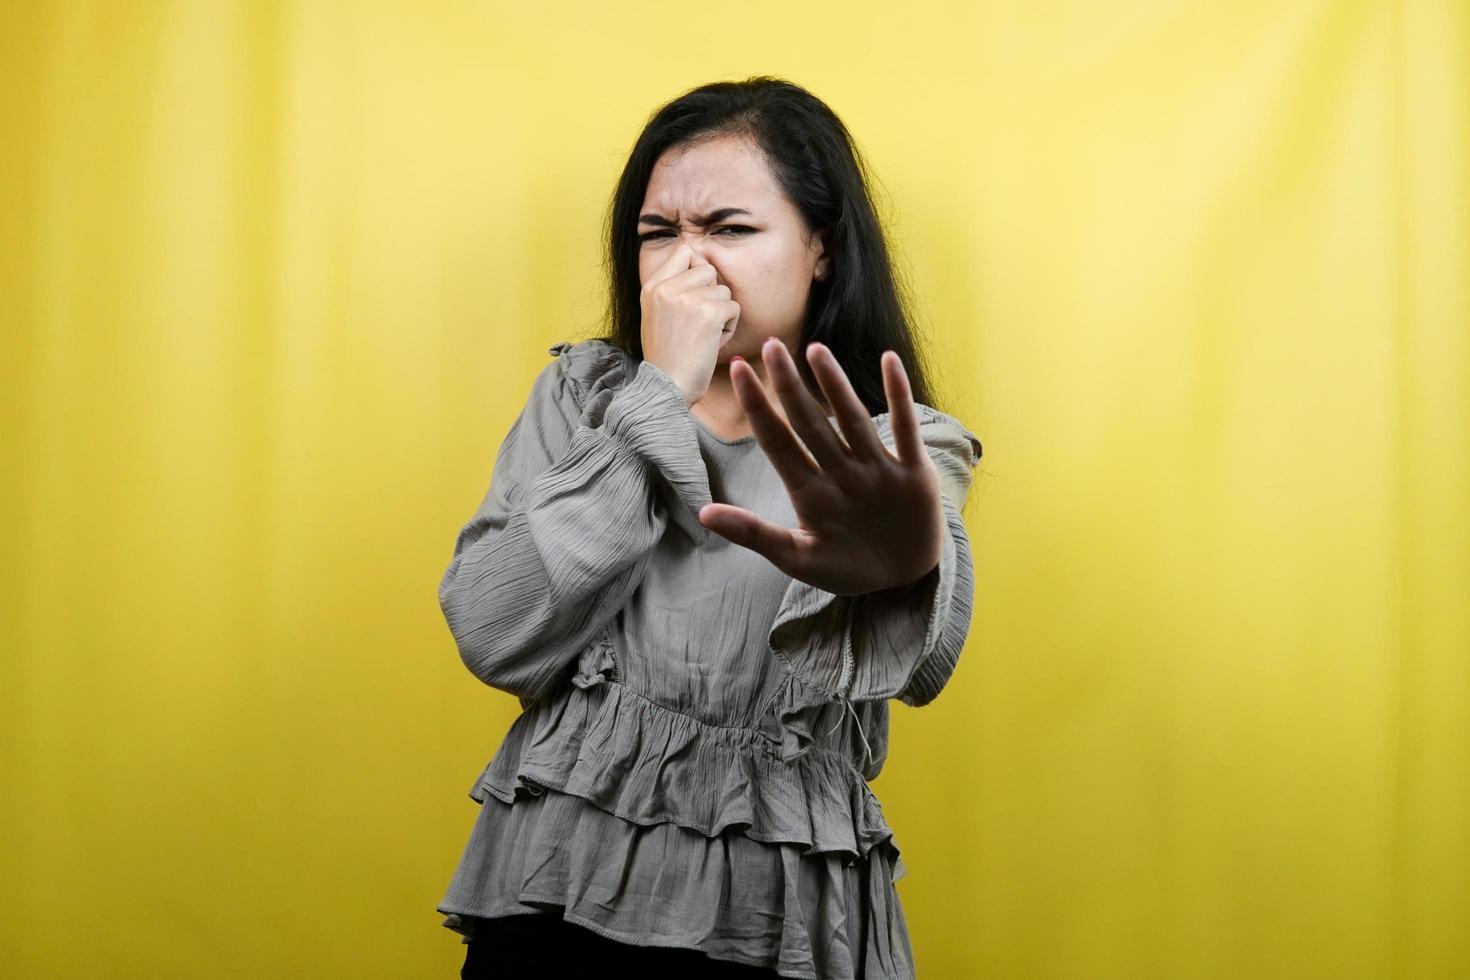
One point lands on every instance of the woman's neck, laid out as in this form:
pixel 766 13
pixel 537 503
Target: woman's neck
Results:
pixel 720 411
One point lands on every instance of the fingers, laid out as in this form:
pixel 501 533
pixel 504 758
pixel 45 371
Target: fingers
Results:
pixel 819 449
pixel 749 530
pixel 686 265
pixel 697 275
pixel 803 412
pixel 677 262
pixel 903 417
pixel 852 415
pixel 790 460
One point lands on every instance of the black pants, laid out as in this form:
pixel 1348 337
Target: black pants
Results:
pixel 544 946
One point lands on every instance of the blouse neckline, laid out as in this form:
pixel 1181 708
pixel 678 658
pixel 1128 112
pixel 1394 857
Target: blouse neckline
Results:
pixel 743 440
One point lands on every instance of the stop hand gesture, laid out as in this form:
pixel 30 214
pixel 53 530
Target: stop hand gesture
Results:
pixel 867 519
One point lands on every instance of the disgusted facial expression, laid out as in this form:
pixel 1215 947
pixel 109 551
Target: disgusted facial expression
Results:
pixel 722 199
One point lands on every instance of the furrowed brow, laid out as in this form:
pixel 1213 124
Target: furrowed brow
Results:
pixel 709 219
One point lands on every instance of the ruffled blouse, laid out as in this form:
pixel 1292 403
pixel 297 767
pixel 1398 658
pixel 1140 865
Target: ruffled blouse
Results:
pixel 691 764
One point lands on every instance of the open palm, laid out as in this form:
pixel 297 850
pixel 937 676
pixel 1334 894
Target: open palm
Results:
pixel 867 519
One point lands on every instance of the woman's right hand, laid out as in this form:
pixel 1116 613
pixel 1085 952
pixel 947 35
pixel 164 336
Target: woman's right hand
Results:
pixel 687 317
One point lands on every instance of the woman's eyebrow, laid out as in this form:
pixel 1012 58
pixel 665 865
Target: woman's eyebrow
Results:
pixel 709 219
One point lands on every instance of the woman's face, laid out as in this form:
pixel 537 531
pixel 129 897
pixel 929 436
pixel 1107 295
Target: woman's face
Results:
pixel 765 256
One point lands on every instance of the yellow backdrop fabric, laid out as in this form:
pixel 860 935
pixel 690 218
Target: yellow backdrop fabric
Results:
pixel 275 279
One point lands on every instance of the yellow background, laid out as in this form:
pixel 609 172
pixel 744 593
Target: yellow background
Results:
pixel 275 279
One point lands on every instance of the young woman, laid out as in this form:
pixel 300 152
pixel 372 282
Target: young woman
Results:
pixel 716 542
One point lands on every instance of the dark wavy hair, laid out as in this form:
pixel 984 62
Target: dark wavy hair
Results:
pixel 860 308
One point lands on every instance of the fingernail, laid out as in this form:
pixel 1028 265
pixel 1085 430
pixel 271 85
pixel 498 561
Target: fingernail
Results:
pixel 736 357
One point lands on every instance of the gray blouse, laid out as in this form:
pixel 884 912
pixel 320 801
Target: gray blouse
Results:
pixel 691 764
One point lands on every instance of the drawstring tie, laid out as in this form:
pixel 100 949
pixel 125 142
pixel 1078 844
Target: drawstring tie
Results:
pixel 867 752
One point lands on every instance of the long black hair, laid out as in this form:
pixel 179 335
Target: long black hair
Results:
pixel 860 308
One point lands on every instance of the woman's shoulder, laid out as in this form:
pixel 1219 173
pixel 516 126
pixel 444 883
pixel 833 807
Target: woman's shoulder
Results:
pixel 939 430
pixel 590 365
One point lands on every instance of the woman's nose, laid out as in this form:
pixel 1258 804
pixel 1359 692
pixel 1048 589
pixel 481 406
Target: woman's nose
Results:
pixel 700 244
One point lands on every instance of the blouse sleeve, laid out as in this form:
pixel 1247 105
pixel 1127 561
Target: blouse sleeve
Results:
pixel 582 490
pixel 903 642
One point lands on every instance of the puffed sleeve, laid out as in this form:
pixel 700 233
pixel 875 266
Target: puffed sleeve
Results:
pixel 584 486
pixel 899 643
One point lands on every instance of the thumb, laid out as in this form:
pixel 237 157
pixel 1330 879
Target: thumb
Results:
pixel 749 530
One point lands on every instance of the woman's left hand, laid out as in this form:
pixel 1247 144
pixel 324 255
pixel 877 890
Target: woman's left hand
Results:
pixel 867 519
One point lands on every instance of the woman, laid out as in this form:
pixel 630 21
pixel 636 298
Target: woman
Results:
pixel 704 594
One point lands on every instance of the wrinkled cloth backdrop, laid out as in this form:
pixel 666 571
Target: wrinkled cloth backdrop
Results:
pixel 276 277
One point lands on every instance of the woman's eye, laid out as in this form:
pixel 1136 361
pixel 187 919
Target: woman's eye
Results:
pixel 650 235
